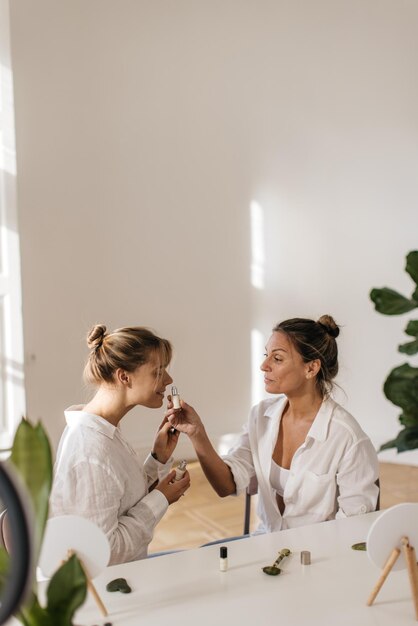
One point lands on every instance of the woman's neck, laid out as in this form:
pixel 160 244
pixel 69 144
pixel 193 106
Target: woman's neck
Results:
pixel 304 406
pixel 108 404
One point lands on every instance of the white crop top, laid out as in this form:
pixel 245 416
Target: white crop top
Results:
pixel 278 477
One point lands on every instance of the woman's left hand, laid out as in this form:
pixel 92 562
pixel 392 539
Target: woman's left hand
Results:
pixel 165 441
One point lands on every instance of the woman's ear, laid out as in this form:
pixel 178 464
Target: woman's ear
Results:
pixel 122 376
pixel 312 368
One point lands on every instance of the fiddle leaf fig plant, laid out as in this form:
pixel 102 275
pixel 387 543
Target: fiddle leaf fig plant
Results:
pixel 401 385
pixel 32 460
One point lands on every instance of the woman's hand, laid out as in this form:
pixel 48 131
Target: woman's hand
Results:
pixel 185 420
pixel 173 490
pixel 165 441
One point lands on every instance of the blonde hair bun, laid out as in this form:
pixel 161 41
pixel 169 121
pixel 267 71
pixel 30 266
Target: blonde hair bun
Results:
pixel 95 336
pixel 125 348
pixel 329 325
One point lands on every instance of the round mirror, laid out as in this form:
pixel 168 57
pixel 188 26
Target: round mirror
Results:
pixel 15 544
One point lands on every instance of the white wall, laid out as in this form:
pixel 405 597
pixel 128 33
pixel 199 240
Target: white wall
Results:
pixel 145 130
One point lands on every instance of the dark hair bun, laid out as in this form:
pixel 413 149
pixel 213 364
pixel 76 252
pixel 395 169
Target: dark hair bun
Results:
pixel 329 325
pixel 95 336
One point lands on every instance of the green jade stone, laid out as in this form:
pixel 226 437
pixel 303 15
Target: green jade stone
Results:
pixel 118 584
pixel 359 546
pixel 274 570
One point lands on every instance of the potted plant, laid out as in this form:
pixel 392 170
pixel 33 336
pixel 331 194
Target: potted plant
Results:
pixel 401 385
pixel 32 460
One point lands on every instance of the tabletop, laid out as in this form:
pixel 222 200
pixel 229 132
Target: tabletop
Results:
pixel 187 588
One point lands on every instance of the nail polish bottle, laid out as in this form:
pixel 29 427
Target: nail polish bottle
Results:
pixel 175 398
pixel 223 558
pixel 180 470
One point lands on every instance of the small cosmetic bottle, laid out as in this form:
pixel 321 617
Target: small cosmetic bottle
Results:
pixel 223 558
pixel 180 470
pixel 175 398
pixel 305 557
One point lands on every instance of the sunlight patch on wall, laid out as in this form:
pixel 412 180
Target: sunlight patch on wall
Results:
pixel 7 124
pixel 257 351
pixel 257 245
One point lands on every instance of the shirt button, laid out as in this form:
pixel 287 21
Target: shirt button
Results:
pixel 363 508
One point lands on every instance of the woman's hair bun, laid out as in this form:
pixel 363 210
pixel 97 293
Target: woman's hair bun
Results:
pixel 95 336
pixel 329 325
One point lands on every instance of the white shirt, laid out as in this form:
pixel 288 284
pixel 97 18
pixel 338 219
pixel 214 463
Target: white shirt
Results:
pixel 97 475
pixel 332 473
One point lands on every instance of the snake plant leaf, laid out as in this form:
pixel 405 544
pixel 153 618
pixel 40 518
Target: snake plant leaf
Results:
pixel 412 265
pixel 31 455
pixel 390 302
pixel 411 347
pixel 401 388
pixel 66 592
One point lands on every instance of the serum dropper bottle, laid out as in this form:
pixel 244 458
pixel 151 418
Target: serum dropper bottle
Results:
pixel 175 398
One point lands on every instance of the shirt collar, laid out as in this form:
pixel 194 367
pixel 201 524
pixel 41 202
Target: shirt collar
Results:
pixel 319 428
pixel 75 415
pixel 276 407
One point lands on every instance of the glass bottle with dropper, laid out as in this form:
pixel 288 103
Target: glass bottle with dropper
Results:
pixel 175 397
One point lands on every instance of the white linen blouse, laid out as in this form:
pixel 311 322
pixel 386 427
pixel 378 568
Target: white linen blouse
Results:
pixel 97 475
pixel 332 474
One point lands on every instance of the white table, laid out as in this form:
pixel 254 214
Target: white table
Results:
pixel 187 588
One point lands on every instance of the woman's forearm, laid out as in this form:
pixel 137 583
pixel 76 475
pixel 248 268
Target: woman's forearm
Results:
pixel 214 467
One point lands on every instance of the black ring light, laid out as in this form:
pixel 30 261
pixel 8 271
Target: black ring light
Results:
pixel 19 575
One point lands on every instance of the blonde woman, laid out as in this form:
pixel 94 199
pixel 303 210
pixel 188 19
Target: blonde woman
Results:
pixel 97 474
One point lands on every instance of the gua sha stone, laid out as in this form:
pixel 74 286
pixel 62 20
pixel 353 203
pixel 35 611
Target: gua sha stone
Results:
pixel 118 584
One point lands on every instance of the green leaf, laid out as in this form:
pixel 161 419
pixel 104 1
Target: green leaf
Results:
pixel 31 455
pixel 412 328
pixel 32 614
pixel 390 302
pixel 407 439
pixel 408 418
pixel 387 445
pixel 409 348
pixel 4 567
pixel 401 388
pixel 66 592
pixel 412 265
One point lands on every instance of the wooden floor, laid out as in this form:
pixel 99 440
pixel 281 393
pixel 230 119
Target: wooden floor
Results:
pixel 201 516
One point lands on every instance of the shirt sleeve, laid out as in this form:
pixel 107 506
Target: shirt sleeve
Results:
pixel 240 461
pixel 356 479
pixel 93 492
pixel 155 470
